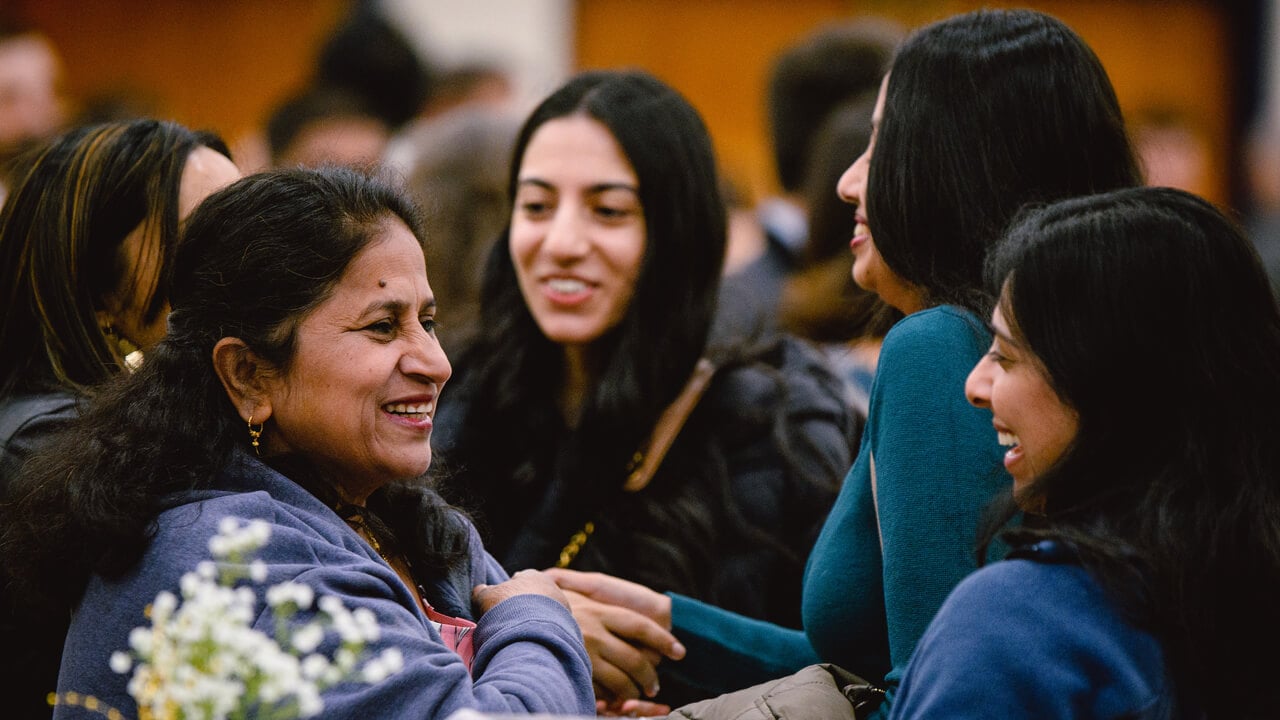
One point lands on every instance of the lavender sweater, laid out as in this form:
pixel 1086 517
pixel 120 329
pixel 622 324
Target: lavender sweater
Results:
pixel 529 655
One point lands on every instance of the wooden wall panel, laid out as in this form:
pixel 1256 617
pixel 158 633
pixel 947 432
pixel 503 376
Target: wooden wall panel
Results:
pixel 216 64
pixel 1171 53
pixel 223 64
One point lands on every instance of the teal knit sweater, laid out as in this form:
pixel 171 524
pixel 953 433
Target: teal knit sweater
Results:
pixel 877 575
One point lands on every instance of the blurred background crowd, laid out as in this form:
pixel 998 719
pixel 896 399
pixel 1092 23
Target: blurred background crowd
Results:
pixel 433 93
pixel 299 80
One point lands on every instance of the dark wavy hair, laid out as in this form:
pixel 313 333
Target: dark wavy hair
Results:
pixel 255 259
pixel 1153 319
pixel 508 375
pixel 61 235
pixel 985 112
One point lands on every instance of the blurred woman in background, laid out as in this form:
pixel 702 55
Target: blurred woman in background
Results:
pixel 87 238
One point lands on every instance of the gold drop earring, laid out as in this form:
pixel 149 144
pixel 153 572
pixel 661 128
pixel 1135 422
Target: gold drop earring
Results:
pixel 255 434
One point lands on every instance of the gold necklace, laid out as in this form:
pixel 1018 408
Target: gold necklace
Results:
pixel 357 523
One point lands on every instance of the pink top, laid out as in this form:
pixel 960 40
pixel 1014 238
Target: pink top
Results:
pixel 455 632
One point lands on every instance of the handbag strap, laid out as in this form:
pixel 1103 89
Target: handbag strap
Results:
pixel 646 461
pixel 669 425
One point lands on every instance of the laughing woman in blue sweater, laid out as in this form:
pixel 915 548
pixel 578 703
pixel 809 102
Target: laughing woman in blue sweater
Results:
pixel 979 115
pixel 1135 373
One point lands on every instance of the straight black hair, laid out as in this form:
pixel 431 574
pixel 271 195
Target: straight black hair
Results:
pixel 61 235
pixel 985 112
pixel 645 360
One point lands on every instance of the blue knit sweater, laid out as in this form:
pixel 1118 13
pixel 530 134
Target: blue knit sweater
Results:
pixel 1030 639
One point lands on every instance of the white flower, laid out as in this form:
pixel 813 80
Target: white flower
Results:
pixel 228 526
pixel 202 657
pixel 374 671
pixel 120 662
pixel 308 638
pixel 140 640
pixel 393 658
pixel 164 605
pixel 388 663
pixel 366 624
pixel 286 593
pixel 219 545
pixel 314 666
pixel 309 704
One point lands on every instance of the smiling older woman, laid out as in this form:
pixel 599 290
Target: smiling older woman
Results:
pixel 297 385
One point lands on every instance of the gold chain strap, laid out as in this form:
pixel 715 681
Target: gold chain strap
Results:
pixel 574 546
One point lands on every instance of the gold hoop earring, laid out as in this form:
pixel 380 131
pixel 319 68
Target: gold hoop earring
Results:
pixel 254 436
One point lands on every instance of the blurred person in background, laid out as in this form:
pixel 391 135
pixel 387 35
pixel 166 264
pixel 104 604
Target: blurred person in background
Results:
pixel 470 85
pixel 820 300
pixel 807 81
pixel 31 105
pixel 366 83
pixel 370 58
pixel 1262 221
pixel 1171 151
pixel 87 240
pixel 325 125
pixel 457 173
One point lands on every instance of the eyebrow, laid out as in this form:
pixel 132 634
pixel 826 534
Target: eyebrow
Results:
pixel 395 307
pixel 1009 340
pixel 1006 337
pixel 593 189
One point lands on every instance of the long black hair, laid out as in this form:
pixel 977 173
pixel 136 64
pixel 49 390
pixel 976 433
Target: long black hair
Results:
pixel 511 443
pixel 645 359
pixel 255 259
pixel 1153 319
pixel 62 232
pixel 985 112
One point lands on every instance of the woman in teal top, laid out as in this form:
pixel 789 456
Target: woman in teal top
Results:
pixel 979 115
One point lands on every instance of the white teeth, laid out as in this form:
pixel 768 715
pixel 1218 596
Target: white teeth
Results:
pixel 1007 439
pixel 408 409
pixel 567 286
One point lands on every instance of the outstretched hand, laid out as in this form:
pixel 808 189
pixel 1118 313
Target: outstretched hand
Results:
pixel 625 648
pixel 625 645
pixel 616 591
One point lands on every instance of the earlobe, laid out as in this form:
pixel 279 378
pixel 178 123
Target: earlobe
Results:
pixel 245 377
